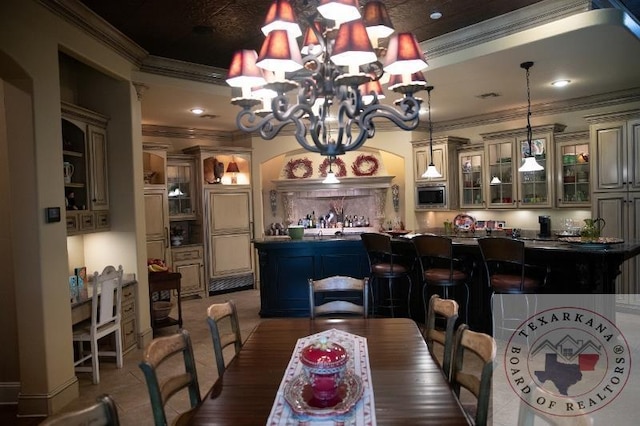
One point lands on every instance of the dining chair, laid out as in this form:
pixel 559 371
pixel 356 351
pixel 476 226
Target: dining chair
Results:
pixel 483 347
pixel 447 309
pixel 225 330
pixel 336 290
pixel 161 389
pixel 385 264
pixel 440 269
pixel 102 413
pixel 106 305
pixel 508 273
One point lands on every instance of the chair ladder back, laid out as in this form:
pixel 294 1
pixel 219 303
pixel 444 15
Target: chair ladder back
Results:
pixel 339 283
pixel 484 347
pixel 106 307
pixel 447 308
pixel 161 390
pixel 215 314
pixel 102 413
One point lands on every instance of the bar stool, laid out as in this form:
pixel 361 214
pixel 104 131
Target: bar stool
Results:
pixel 508 273
pixel 384 264
pixel 440 269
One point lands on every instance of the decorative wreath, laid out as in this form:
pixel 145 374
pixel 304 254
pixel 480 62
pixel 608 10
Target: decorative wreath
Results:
pixel 365 165
pixel 337 163
pixel 295 166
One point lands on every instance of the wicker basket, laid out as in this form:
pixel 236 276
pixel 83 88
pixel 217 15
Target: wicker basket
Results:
pixel 161 310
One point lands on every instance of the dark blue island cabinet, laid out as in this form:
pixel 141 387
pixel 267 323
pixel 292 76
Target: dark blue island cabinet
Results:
pixel 286 265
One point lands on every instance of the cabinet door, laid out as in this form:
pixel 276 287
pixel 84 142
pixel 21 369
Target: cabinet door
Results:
pixel 229 212
pixel 534 188
pixel 573 187
pixel 633 155
pixel 99 189
pixel 180 190
pixel 612 207
pixel 230 254
pixel 422 158
pixel 192 281
pixel 501 176
pixel 157 224
pixel 608 146
pixel 472 181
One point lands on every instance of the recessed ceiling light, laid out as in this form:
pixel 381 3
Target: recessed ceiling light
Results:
pixel 560 83
pixel 435 15
pixel 197 110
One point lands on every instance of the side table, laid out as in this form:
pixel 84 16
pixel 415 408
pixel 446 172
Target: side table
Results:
pixel 165 281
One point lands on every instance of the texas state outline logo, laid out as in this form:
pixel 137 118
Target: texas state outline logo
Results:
pixel 567 361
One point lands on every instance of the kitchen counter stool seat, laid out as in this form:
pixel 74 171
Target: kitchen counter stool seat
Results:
pixel 440 269
pixel 385 264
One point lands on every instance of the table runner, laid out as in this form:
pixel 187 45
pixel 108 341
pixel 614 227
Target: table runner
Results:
pixel 363 414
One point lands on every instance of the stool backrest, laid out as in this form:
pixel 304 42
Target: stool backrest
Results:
pixel 432 250
pixel 504 255
pixel 448 309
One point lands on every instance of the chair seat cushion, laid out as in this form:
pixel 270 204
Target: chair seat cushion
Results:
pixel 441 275
pixel 503 283
pixel 388 268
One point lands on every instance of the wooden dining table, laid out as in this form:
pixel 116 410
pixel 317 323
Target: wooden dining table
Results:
pixel 408 385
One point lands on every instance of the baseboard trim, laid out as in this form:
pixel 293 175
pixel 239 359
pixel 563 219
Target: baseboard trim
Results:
pixel 45 404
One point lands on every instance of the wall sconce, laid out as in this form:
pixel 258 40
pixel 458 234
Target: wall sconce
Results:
pixel 395 193
pixel 232 168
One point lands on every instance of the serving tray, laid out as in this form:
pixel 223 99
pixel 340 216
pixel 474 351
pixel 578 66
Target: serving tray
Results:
pixel 599 243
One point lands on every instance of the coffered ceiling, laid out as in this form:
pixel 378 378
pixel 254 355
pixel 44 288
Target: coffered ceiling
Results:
pixel 474 50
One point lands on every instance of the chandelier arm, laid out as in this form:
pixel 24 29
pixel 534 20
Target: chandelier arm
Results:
pixel 268 126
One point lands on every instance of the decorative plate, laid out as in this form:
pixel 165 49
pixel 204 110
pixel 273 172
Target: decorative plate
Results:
pixel 298 395
pixel 599 243
pixel 464 222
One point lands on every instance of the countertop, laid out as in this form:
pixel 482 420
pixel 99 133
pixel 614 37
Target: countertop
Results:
pixel 127 280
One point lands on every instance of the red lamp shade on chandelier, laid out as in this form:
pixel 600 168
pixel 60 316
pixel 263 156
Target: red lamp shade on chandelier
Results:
pixel 281 17
pixel 243 71
pixel 353 47
pixel 339 10
pixel 404 55
pixel 377 21
pixel 280 54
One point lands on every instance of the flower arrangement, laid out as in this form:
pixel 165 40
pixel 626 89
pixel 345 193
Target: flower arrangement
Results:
pixel 298 168
pixel 337 163
pixel 365 165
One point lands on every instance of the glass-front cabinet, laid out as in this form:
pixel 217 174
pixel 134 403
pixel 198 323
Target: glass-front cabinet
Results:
pixel 509 188
pixel 534 189
pixel 180 186
pixel 502 192
pixel 472 182
pixel 573 182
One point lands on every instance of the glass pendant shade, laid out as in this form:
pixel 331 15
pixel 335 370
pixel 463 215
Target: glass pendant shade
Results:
pixel 331 178
pixel 376 20
pixel 495 181
pixel 281 17
pixel 404 55
pixel 530 165
pixel 243 71
pixel 353 46
pixel 431 172
pixel 279 53
pixel 339 10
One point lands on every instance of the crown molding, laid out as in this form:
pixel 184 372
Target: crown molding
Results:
pixel 612 99
pixel 184 70
pixel 152 130
pixel 82 17
pixel 501 26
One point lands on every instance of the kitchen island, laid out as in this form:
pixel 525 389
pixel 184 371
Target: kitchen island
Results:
pixel 286 265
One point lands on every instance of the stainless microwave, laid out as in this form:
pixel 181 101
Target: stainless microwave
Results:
pixel 431 196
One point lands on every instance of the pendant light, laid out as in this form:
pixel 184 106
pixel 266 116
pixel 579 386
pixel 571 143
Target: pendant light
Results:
pixel 431 171
pixel 331 176
pixel 495 181
pixel 530 164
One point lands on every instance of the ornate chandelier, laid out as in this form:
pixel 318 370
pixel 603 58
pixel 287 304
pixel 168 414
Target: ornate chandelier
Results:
pixel 338 78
